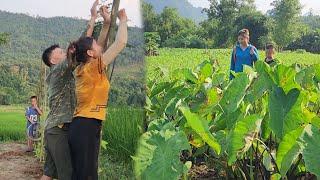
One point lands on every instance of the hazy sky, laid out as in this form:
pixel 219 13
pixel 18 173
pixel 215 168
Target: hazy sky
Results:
pixel 80 8
pixel 69 8
pixel 264 5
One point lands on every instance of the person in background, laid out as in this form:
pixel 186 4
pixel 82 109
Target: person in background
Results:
pixel 32 115
pixel 270 53
pixel 243 53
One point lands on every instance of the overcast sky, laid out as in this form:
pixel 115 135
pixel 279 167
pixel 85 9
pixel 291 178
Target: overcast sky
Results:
pixel 69 8
pixel 80 8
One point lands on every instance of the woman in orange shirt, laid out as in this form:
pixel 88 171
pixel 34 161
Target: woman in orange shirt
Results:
pixel 92 89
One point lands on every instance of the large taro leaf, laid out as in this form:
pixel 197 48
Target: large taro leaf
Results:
pixel 157 124
pixel 221 136
pixel 158 155
pixel 310 143
pixel 285 111
pixel 241 137
pixel 265 127
pixel 288 150
pixel 172 98
pixel 234 94
pixel 261 84
pixel 160 87
pixel 167 99
pixel 306 78
pixel 205 69
pixel 232 118
pixel 200 126
pixel 186 75
pixel 212 97
pixel 218 79
pixel 284 77
pixel 226 121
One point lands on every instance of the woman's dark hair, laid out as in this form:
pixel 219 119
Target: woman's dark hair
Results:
pixel 78 50
pixel 244 32
pixel 47 53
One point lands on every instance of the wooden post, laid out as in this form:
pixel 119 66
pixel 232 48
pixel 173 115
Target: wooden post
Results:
pixel 112 32
pixel 42 101
pixel 42 87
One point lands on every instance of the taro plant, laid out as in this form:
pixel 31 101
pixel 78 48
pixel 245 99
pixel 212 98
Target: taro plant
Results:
pixel 263 124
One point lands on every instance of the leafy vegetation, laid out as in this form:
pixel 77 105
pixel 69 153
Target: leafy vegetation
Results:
pixel 152 40
pixel 309 42
pixel 226 18
pixel 288 30
pixel 4 38
pixel 172 58
pixel 262 124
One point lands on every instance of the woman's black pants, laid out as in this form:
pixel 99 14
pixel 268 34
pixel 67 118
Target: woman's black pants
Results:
pixel 84 140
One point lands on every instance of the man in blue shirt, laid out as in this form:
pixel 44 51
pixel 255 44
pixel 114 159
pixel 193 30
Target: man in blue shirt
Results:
pixel 32 115
pixel 243 53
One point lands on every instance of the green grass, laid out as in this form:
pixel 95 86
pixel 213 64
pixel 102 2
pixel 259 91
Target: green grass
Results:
pixel 121 130
pixel 111 168
pixel 13 108
pixel 188 58
pixel 12 123
pixel 12 126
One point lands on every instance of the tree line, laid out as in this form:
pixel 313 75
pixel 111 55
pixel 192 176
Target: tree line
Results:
pixel 283 25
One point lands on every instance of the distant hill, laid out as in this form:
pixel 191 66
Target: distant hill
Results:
pixel 20 58
pixel 184 7
pixel 29 36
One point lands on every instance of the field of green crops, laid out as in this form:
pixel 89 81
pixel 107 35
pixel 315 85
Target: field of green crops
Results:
pixel 263 124
pixel 121 131
pixel 189 58
pixel 12 123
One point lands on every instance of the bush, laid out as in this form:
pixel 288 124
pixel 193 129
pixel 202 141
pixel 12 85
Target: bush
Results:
pixel 309 42
pixel 301 51
pixel 5 99
pixel 152 40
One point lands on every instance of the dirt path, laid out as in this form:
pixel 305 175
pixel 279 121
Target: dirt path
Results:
pixel 16 164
